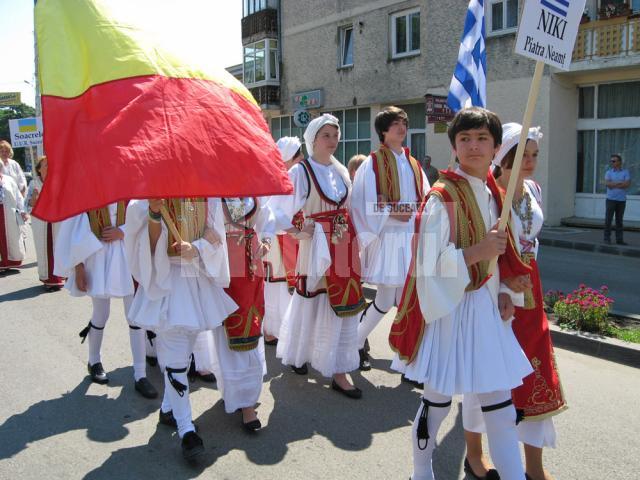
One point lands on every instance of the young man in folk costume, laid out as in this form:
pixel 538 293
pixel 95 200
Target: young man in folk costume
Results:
pixel 321 323
pixel 238 346
pixel 388 187
pixel 279 262
pixel 89 251
pixel 540 397
pixel 451 331
pixel 12 218
pixel 180 292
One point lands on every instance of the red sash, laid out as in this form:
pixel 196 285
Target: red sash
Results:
pixel 408 327
pixel 244 326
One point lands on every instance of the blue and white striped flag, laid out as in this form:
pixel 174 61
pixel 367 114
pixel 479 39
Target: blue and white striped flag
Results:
pixel 469 83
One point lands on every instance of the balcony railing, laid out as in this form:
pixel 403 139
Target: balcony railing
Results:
pixel 267 96
pixel 260 25
pixel 615 37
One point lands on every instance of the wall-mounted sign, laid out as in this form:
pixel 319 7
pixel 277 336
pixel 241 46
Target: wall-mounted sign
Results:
pixel 307 100
pixel 437 109
pixel 9 99
pixel 26 132
pixel 301 118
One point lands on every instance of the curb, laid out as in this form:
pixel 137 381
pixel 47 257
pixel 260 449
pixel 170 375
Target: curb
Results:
pixel 610 349
pixel 591 247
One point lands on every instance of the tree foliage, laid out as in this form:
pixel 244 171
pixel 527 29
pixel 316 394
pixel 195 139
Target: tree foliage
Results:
pixel 11 113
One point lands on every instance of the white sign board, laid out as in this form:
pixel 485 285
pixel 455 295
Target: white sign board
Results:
pixel 548 30
pixel 26 132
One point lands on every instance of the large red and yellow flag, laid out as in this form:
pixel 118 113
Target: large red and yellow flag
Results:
pixel 133 108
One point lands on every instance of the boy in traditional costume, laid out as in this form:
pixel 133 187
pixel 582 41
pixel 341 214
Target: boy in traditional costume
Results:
pixel 388 187
pixel 180 292
pixel 321 323
pixel 89 251
pixel 540 397
pixel 450 331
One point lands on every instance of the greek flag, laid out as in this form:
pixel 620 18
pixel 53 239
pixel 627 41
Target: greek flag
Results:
pixel 469 83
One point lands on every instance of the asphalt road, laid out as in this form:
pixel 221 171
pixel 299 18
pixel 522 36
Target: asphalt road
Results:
pixel 55 424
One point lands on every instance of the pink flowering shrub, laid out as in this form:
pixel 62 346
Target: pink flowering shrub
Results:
pixel 584 309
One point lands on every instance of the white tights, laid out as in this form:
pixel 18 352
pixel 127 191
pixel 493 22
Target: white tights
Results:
pixel 101 310
pixel 386 298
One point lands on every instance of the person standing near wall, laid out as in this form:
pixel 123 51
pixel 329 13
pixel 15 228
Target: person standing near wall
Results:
pixel 617 180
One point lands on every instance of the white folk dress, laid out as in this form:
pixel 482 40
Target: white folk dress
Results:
pixel 467 347
pixel 385 242
pixel 311 331
pixel 12 233
pixel 105 263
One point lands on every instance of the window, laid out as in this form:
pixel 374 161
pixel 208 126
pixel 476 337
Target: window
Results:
pixel 405 33
pixel 608 122
pixel 346 47
pixel 249 7
pixel 502 16
pixel 284 127
pixel 355 126
pixel 261 62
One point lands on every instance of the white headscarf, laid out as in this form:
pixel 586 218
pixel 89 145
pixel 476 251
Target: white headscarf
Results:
pixel 510 138
pixel 314 127
pixel 288 147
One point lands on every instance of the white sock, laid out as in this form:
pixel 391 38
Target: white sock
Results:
pixel 136 339
pixel 422 455
pixel 502 435
pixel 384 301
pixel 101 307
pixel 149 345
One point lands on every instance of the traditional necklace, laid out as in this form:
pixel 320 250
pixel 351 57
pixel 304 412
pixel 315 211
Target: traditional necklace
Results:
pixel 526 217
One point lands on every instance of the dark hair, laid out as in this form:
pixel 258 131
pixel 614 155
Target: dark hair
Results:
pixel 386 117
pixel 298 152
pixel 473 118
pixel 618 156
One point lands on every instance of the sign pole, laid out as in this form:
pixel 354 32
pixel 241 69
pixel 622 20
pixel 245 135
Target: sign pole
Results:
pixel 517 162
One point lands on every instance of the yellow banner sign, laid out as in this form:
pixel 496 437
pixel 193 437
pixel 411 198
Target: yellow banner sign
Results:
pixel 8 99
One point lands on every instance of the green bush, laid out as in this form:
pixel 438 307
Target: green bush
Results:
pixel 584 309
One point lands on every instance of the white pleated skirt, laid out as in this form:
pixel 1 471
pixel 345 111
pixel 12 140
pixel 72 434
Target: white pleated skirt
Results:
pixel 311 332
pixel 194 304
pixel 276 302
pixel 386 261
pixel 469 351
pixel 239 375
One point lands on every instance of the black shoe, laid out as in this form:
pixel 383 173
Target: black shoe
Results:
pixel 252 426
pixel 152 361
pixel 365 365
pixel 412 382
pixel 192 446
pixel 167 418
pixel 144 388
pixel 97 373
pixel 271 343
pixel 492 474
pixel 303 370
pixel 622 242
pixel 207 377
pixel 354 392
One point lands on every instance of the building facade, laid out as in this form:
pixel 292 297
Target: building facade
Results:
pixel 353 57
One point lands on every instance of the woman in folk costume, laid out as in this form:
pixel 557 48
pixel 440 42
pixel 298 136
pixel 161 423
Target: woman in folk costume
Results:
pixel 11 168
pixel 279 263
pixel 451 331
pixel 387 188
pixel 321 323
pixel 180 292
pixel 238 346
pixel 12 218
pixel 89 252
pixel 43 232
pixel 541 396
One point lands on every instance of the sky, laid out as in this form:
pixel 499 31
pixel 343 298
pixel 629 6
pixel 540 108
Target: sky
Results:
pixel 218 19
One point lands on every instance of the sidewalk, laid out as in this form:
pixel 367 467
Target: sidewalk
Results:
pixel 587 235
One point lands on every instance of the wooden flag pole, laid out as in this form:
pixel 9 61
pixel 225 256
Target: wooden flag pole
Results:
pixel 452 161
pixel 517 162
pixel 170 225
